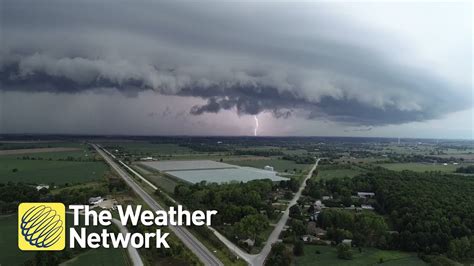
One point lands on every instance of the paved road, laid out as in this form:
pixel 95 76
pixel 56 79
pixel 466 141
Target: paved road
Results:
pixel 259 259
pixel 132 252
pixel 182 233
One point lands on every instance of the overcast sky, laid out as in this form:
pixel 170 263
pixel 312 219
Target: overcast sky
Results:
pixel 392 69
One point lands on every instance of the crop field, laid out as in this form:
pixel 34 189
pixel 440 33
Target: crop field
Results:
pixel 36 150
pixel 45 171
pixel 10 254
pixel 166 183
pixel 369 256
pixel 36 145
pixel 100 256
pixel 338 173
pixel 146 148
pixel 278 164
pixel 422 167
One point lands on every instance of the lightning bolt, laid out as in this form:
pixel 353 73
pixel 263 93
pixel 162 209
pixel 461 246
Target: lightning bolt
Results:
pixel 256 125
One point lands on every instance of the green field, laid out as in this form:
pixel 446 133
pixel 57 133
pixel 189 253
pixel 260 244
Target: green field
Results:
pixel 44 171
pixel 34 145
pixel 369 256
pixel 10 254
pixel 146 148
pixel 166 183
pixel 101 256
pixel 338 173
pixel 278 164
pixel 422 167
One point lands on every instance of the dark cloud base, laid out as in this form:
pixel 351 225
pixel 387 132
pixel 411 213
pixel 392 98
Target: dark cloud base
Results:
pixel 246 100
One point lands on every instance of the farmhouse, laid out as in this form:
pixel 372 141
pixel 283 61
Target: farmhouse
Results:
pixel 364 195
pixel 268 168
pixel 95 200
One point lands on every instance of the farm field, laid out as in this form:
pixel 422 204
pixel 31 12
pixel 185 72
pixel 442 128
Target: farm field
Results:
pixel 36 145
pixel 44 171
pixel 101 256
pixel 10 254
pixel 166 183
pixel 338 173
pixel 369 256
pixel 36 150
pixel 146 148
pixel 422 167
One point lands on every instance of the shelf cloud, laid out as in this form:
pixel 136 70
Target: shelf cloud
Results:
pixel 251 58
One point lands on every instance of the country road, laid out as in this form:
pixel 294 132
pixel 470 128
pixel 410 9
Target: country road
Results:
pixel 259 259
pixel 182 233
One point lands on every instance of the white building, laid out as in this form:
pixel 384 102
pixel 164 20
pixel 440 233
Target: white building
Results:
pixel 365 194
pixel 95 200
pixel 40 187
pixel 367 207
pixel 268 168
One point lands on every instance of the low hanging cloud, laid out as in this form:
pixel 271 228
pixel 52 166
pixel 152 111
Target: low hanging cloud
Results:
pixel 219 54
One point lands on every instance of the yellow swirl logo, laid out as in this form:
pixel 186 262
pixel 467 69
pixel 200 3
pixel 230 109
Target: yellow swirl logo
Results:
pixel 41 226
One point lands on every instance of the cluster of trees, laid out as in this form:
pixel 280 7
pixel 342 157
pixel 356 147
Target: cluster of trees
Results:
pixel 280 255
pixel 11 194
pixel 341 190
pixel 300 159
pixel 428 209
pixel 263 152
pixel 466 169
pixel 205 147
pixel 366 228
pixel 419 158
pixel 461 248
pixel 79 195
pixel 246 207
pixel 67 159
pixel 428 212
pixel 233 201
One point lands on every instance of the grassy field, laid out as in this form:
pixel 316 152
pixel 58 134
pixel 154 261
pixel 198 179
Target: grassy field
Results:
pixel 166 183
pixel 44 171
pixel 146 148
pixel 10 254
pixel 338 173
pixel 63 155
pixel 278 164
pixel 369 256
pixel 101 256
pixel 34 145
pixel 422 167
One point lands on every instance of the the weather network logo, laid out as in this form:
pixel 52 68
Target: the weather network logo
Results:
pixel 41 226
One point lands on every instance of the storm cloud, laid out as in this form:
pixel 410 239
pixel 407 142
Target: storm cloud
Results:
pixel 247 57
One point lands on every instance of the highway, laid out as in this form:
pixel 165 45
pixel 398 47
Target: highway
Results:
pixel 182 233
